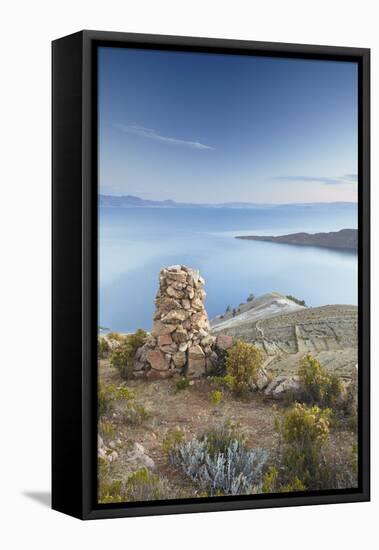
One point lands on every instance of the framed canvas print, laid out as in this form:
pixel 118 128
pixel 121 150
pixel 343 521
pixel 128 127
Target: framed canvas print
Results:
pixel 210 275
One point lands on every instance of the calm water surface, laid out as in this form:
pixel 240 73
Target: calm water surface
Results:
pixel 135 243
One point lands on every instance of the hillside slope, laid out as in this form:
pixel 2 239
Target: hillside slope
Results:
pixel 285 332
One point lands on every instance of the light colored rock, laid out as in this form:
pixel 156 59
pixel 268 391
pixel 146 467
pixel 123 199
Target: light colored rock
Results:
pixel 197 304
pixel 199 320
pixel 172 348
pixel 193 273
pixel 175 316
pixel 290 386
pixel 208 340
pixel 104 452
pixel 272 385
pixel 178 286
pixel 263 380
pixel 180 277
pixel 180 359
pixel 113 456
pixel 174 293
pixel 160 328
pixel 195 352
pixel 138 454
pixel 180 335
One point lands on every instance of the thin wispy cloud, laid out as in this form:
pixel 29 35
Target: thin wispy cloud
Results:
pixel 149 133
pixel 347 178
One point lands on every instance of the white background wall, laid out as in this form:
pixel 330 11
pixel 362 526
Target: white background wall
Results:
pixel 26 31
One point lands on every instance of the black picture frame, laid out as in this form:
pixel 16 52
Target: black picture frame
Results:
pixel 74 273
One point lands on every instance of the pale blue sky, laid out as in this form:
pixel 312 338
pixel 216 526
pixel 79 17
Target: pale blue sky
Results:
pixel 215 128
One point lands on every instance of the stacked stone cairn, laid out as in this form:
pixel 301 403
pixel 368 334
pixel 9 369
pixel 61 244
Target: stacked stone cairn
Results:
pixel 180 340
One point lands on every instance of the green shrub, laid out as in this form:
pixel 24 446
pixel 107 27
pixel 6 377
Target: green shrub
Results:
pixel 106 429
pixel 270 480
pixel 296 300
pixel 122 357
pixel 108 490
pixel 319 385
pixel 250 298
pixel 242 363
pixel 172 439
pixel 338 470
pixel 216 397
pixel 293 486
pixel 219 438
pixel 103 348
pixel 271 483
pixel 143 485
pixel 182 384
pixel 135 414
pixel 303 432
pixel 352 422
pixel 140 486
pixel 115 336
pixel 109 394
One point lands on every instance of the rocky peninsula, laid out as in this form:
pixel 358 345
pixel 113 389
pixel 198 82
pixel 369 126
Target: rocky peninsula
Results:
pixel 345 239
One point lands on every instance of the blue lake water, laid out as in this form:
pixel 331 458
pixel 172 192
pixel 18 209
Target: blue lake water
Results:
pixel 135 243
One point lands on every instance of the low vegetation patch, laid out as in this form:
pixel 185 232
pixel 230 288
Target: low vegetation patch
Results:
pixel 109 491
pixel 182 384
pixel 142 485
pixel 122 357
pixel 103 348
pixel 110 394
pixel 303 433
pixel 243 361
pixel 219 461
pixel 271 483
pixel 296 300
pixel 320 387
pixel 122 399
pixel 216 397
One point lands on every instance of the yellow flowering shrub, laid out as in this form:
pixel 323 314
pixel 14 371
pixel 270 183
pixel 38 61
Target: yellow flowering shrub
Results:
pixel 242 364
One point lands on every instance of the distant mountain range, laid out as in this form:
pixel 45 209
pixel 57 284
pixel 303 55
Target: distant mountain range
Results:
pixel 345 239
pixel 131 201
